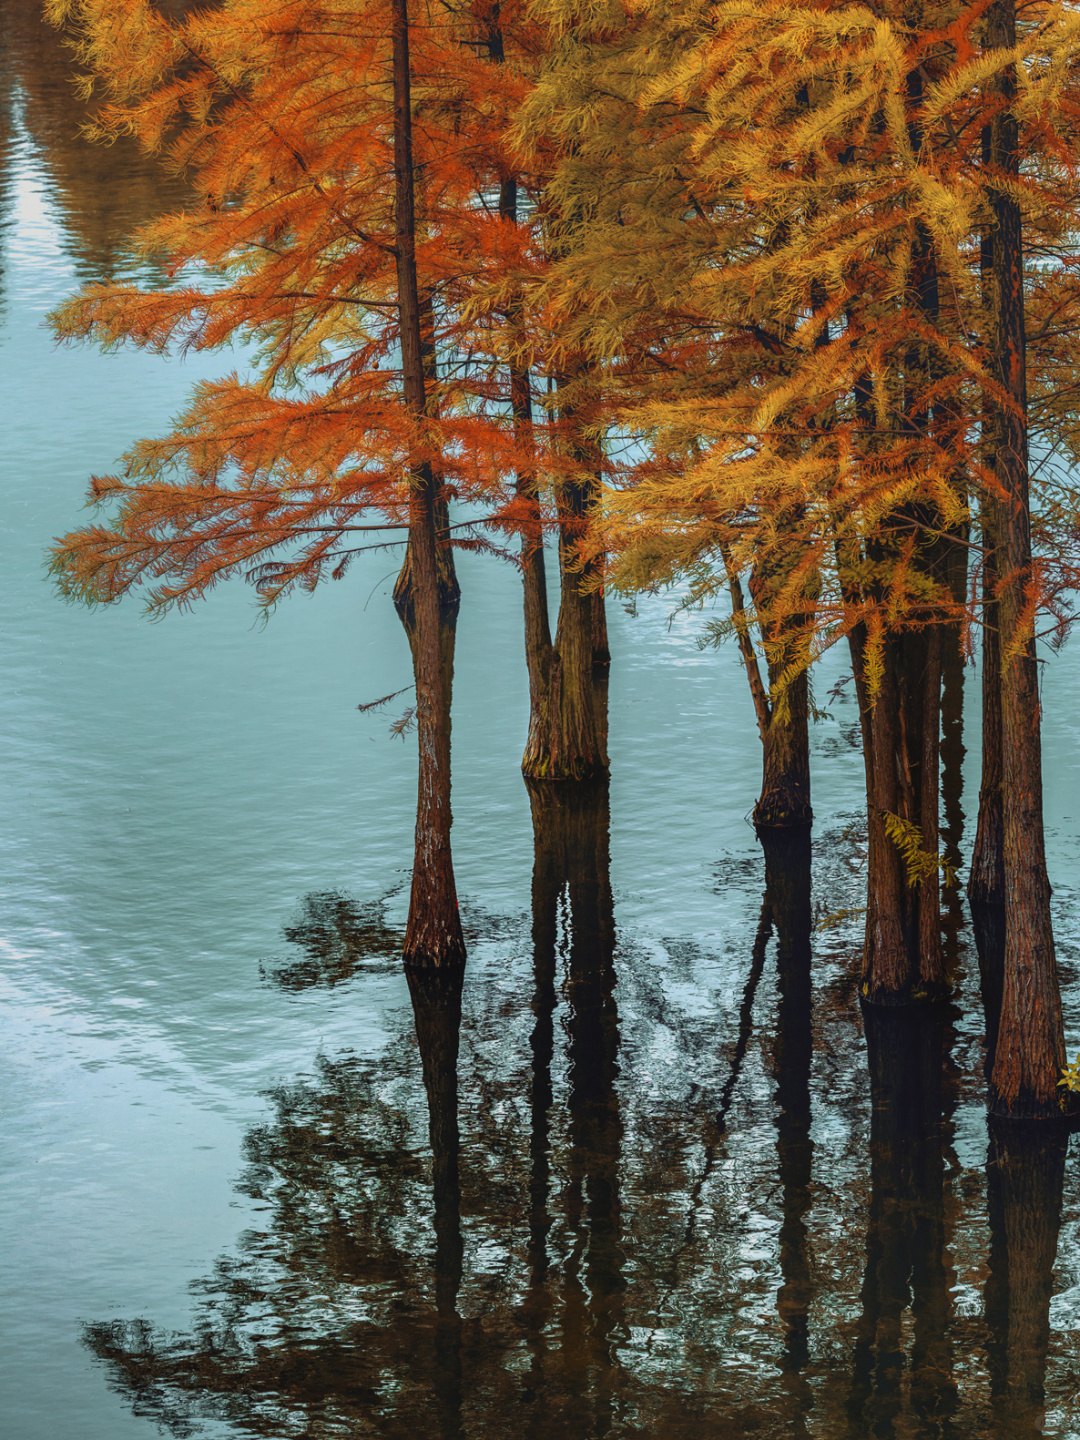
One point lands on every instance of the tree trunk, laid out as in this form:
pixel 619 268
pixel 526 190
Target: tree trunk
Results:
pixel 902 958
pixel 541 658
pixel 568 720
pixel 785 782
pixel 1030 1052
pixel 784 801
pixel 433 936
pixel 986 883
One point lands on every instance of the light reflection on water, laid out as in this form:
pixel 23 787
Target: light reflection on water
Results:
pixel 184 803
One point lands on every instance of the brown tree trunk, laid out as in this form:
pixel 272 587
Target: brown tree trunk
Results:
pixel 541 658
pixel 1030 1052
pixel 568 725
pixel 433 936
pixel 785 781
pixel 986 883
pixel 784 801
pixel 902 958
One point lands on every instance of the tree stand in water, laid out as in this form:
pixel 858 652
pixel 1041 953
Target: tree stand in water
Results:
pixel 433 936
pixel 902 957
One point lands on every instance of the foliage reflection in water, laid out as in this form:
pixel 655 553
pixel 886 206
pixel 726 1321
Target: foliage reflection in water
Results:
pixel 559 1247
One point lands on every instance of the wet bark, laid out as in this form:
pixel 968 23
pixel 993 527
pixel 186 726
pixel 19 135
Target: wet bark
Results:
pixel 433 936
pixel 1025 1174
pixel 436 1001
pixel 906 1257
pixel 1030 1051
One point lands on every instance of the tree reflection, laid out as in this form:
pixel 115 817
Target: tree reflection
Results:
pixel 523 1220
pixel 338 939
pixel 787 896
pixel 1025 1174
pixel 104 191
pixel 571 884
pixel 906 1252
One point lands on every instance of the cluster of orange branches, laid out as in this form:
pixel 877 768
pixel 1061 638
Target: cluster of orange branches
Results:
pixel 814 264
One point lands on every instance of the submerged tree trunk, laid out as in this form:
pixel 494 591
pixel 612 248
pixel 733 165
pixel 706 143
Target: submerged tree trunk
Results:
pixel 1031 1043
pixel 433 936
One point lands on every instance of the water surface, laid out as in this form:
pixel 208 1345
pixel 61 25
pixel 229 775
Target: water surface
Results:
pixel 676 1193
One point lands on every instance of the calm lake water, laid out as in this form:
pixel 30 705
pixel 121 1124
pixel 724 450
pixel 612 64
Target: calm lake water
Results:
pixel 674 1192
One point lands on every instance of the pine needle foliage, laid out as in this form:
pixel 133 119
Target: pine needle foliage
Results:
pixel 781 278
pixel 919 863
pixel 281 114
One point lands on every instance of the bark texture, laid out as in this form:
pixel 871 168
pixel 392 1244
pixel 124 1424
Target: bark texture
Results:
pixel 433 936
pixel 1030 1053
pixel 568 714
pixel 902 957
pixel 784 801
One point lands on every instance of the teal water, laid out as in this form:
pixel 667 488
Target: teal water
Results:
pixel 205 855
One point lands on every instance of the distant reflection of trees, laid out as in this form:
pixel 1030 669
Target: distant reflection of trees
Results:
pixel 338 938
pixel 104 192
pixel 539 1230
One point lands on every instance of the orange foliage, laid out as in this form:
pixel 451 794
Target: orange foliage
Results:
pixel 282 116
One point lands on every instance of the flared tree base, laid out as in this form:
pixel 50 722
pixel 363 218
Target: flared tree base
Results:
pixel 921 995
pixel 782 812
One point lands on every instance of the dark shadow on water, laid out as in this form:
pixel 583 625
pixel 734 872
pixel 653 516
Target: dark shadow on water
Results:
pixel 521 1219
pixel 788 899
pixel 904 1373
pixel 1025 1174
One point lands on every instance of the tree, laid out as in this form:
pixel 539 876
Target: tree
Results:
pixel 326 252
pixel 567 737
pixel 833 193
